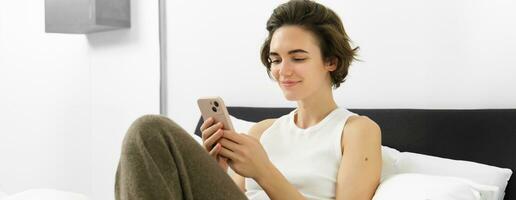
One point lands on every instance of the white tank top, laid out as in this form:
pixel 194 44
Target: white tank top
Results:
pixel 309 158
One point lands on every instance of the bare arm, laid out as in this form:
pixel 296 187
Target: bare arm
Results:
pixel 359 172
pixel 239 180
pixel 274 183
pixel 269 177
pixel 277 186
pixel 256 131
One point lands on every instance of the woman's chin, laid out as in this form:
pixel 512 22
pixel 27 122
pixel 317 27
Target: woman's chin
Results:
pixel 290 96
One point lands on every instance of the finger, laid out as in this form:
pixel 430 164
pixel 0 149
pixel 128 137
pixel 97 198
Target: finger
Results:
pixel 206 123
pixel 228 144
pixel 227 153
pixel 233 136
pixel 208 143
pixel 210 130
pixel 215 151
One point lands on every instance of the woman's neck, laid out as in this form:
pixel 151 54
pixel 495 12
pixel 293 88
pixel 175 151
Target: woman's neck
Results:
pixel 311 111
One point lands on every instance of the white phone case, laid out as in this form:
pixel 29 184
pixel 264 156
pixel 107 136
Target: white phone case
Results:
pixel 214 106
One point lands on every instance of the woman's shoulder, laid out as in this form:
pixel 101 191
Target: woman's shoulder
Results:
pixel 361 121
pixel 257 129
pixel 360 126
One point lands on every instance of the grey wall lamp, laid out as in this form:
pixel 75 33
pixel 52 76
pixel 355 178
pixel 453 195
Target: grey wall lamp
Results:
pixel 86 16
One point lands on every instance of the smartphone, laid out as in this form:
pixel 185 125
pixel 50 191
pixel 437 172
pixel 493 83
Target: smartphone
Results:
pixel 214 107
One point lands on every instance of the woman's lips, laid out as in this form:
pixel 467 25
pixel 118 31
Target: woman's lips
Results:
pixel 289 84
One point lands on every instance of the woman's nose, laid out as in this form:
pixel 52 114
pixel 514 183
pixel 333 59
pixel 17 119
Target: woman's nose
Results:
pixel 285 69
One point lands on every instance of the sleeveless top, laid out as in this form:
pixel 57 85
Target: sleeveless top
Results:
pixel 309 158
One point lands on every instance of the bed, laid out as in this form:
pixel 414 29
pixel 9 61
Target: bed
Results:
pixel 485 136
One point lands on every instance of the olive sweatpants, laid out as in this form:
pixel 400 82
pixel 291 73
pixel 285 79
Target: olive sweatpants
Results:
pixel 160 160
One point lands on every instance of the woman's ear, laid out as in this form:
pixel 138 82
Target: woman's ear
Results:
pixel 331 64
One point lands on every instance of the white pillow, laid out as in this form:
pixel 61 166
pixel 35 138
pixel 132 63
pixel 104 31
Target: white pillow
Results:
pixel 412 186
pixel 477 172
pixel 389 158
pixel 240 125
pixel 46 194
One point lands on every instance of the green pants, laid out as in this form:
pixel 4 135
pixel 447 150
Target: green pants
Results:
pixel 160 160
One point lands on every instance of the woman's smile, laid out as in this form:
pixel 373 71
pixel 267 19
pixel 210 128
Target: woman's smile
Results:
pixel 289 84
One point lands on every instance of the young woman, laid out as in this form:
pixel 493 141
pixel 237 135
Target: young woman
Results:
pixel 317 151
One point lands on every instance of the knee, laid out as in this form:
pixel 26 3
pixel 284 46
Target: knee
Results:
pixel 145 127
pixel 149 121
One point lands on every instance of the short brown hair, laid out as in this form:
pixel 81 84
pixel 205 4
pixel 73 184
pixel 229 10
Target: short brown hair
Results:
pixel 324 24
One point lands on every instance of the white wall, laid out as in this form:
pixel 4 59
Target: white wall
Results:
pixel 45 139
pixel 125 85
pixel 417 54
pixel 67 100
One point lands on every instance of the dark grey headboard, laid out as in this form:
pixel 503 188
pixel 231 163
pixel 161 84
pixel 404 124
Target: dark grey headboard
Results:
pixel 486 136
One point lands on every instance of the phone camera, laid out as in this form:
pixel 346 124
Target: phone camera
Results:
pixel 214 109
pixel 216 103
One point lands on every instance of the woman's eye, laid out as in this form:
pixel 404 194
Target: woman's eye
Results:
pixel 276 61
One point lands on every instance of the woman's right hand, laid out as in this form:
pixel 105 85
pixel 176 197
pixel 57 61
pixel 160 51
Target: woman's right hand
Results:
pixel 211 133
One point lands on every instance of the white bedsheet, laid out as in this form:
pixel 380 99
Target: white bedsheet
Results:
pixel 43 194
pixel 2 195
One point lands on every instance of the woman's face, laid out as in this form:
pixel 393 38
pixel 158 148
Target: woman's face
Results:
pixel 296 57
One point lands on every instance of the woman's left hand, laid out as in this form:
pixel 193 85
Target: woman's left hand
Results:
pixel 245 154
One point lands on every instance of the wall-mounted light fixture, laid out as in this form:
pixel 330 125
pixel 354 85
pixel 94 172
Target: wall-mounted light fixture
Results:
pixel 86 16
